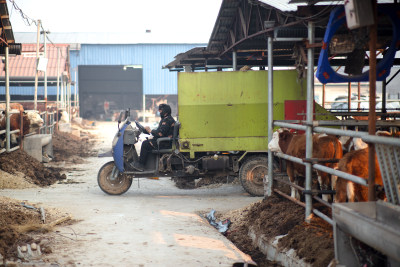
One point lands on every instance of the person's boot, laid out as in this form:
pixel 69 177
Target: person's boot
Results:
pixel 138 166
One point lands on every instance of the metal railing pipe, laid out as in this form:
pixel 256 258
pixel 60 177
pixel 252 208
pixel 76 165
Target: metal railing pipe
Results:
pixel 344 175
pixel 323 216
pixel 270 116
pixel 290 198
pixel 381 140
pixel 310 110
pixel 36 65
pixel 291 158
pixel 7 100
pixel 356 123
pixel 340 132
pixel 290 125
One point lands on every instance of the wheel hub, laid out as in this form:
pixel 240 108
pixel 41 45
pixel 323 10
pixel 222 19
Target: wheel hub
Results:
pixel 256 174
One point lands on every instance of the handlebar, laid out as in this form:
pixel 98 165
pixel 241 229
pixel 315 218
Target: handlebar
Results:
pixel 127 116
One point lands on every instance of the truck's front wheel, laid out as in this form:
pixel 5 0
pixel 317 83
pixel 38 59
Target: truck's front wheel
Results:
pixel 112 185
pixel 251 174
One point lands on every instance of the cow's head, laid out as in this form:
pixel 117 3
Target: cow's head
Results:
pixel 280 140
pixel 35 121
pixel 273 145
pixel 64 117
pixel 359 144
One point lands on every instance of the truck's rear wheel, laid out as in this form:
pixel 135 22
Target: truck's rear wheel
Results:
pixel 111 186
pixel 251 174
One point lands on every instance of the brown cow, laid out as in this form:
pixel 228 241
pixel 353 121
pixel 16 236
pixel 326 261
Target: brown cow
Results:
pixel 13 106
pixel 356 163
pixel 324 147
pixel 31 122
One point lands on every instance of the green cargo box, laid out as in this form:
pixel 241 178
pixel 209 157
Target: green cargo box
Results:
pixel 228 111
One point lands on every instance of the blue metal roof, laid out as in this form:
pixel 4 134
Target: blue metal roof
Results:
pixel 151 56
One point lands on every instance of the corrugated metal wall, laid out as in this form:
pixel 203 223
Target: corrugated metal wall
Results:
pixel 151 56
pixel 30 90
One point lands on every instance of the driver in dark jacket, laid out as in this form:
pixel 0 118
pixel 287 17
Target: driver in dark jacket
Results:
pixel 165 129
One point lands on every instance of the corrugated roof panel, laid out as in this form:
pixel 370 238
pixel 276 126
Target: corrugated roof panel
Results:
pixel 24 64
pixel 282 5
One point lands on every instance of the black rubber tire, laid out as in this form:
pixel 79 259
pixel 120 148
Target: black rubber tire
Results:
pixel 251 175
pixel 116 187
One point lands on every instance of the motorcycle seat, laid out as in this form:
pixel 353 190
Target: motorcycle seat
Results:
pixel 171 142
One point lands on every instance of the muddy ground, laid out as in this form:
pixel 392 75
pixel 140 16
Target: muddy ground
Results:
pixel 18 170
pixel 278 216
pixel 21 223
pixel 71 148
pixel 272 217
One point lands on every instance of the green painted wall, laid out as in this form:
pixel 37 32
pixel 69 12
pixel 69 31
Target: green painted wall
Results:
pixel 224 111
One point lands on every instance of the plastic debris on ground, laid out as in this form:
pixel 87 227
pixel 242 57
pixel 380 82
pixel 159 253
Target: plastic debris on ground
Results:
pixel 221 226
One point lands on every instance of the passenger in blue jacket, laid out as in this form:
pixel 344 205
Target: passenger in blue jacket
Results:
pixel 165 129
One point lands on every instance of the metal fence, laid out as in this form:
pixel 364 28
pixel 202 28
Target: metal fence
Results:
pixel 6 143
pixel 388 153
pixel 49 124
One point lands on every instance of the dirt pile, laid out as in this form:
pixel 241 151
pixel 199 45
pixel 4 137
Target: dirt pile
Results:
pixel 277 216
pixel 20 162
pixel 15 181
pixel 68 147
pixel 20 221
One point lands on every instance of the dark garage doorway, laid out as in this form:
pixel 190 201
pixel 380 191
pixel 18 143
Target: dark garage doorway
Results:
pixel 107 89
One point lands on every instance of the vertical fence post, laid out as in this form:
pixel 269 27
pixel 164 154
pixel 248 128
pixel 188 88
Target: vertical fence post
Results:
pixel 372 101
pixel 37 62
pixel 310 110
pixel 270 116
pixel 7 101
pixel 384 110
pixel 359 96
pixel 69 101
pixel 234 60
pixel 349 96
pixel 58 77
pixel 46 119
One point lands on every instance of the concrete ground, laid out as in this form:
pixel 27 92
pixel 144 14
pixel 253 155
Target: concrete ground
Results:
pixel 153 224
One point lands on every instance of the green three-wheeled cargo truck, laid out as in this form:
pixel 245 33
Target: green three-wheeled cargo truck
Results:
pixel 221 130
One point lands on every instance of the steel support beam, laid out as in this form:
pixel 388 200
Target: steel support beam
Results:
pixel 372 104
pixel 270 115
pixel 310 110
pixel 7 100
pixel 234 60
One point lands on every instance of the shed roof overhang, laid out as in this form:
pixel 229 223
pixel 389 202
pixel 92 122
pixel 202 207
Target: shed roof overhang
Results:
pixel 244 27
pixel 6 32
